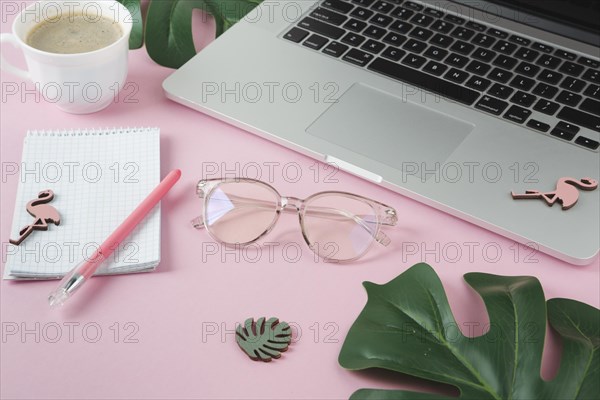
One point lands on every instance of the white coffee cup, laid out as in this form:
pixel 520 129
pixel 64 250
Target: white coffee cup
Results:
pixel 80 83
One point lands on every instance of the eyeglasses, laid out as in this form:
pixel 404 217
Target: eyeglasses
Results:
pixel 337 226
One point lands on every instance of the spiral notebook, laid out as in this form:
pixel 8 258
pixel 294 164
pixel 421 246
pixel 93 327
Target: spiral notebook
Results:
pixel 98 177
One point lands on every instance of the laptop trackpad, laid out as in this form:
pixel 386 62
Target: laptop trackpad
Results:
pixel 386 128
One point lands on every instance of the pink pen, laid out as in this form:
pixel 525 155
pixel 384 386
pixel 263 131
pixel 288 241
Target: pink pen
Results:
pixel 82 272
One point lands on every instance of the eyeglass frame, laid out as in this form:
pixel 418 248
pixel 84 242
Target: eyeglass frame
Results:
pixel 386 215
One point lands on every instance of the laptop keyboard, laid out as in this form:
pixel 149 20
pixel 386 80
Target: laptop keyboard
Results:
pixel 465 61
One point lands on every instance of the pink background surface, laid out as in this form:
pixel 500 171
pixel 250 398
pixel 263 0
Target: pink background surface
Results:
pixel 182 316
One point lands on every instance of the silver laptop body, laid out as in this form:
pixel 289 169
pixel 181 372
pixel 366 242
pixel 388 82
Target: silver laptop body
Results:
pixel 457 157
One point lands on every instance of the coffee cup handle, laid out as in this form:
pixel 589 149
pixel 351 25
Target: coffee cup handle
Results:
pixel 5 65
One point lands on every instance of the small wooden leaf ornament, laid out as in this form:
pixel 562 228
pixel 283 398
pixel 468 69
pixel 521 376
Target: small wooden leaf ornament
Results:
pixel 262 340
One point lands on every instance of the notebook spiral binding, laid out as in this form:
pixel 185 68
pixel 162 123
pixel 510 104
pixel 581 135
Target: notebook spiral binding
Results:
pixel 89 131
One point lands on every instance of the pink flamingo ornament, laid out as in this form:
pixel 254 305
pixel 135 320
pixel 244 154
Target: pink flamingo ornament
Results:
pixel 566 192
pixel 43 214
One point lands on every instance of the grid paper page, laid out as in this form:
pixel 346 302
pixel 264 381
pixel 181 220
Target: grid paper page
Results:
pixel 98 178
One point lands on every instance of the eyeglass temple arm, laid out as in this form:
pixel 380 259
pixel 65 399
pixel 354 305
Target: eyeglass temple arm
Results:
pixel 387 218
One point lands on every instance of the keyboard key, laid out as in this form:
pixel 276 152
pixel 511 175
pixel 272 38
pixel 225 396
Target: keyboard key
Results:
pixel 592 76
pixel 323 14
pixel 522 83
pixel 546 107
pixel 483 54
pixel 364 3
pixel 548 61
pixel 425 81
pixel 526 54
pixel 382 6
pixel 393 53
pixel 463 33
pixel 591 106
pixel 421 33
pixel 435 53
pixel 457 60
pixel 435 68
pixel 523 99
pixel 442 26
pixel 374 32
pixel 538 126
pixel 483 40
pixel 422 19
pixel 500 91
pixel 362 13
pixel 413 60
pixel 415 46
pixel 542 47
pixel 568 98
pixel 520 40
pixel 355 25
pixel 402 13
pixel 517 114
pixel 565 54
pixel 527 69
pixel 462 47
pixel 544 90
pixel 562 134
pixel 400 27
pixel 373 46
pixel 478 83
pixel 478 68
pixel 335 49
pixel 321 28
pixel 315 42
pixel 593 91
pixel 413 6
pixel 585 142
pixel 296 35
pixel 358 57
pixel 353 39
pixel 441 40
pixel 572 84
pixel 505 62
pixel 588 62
pixel 491 105
pixel 434 13
pixel 456 75
pixel 476 26
pixel 571 69
pixel 550 76
pixel 580 118
pixel 500 75
pixel 394 39
pixel 505 47
pixel 498 33
pixel 338 5
pixel 567 127
pixel 381 20
pixel 454 19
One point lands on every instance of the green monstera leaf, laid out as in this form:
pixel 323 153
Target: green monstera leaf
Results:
pixel 262 340
pixel 136 40
pixel 168 25
pixel 407 326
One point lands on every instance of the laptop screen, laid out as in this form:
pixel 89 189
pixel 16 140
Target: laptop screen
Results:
pixel 576 19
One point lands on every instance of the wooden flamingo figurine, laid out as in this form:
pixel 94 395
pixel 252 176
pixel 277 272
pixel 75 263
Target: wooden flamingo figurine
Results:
pixel 566 192
pixel 43 214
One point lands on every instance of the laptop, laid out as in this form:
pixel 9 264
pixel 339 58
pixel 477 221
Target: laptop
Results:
pixel 457 104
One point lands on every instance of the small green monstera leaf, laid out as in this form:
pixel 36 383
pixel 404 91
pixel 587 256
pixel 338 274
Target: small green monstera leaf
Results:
pixel 136 40
pixel 407 326
pixel 262 340
pixel 167 26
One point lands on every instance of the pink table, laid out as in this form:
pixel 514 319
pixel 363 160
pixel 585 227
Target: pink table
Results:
pixel 169 334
